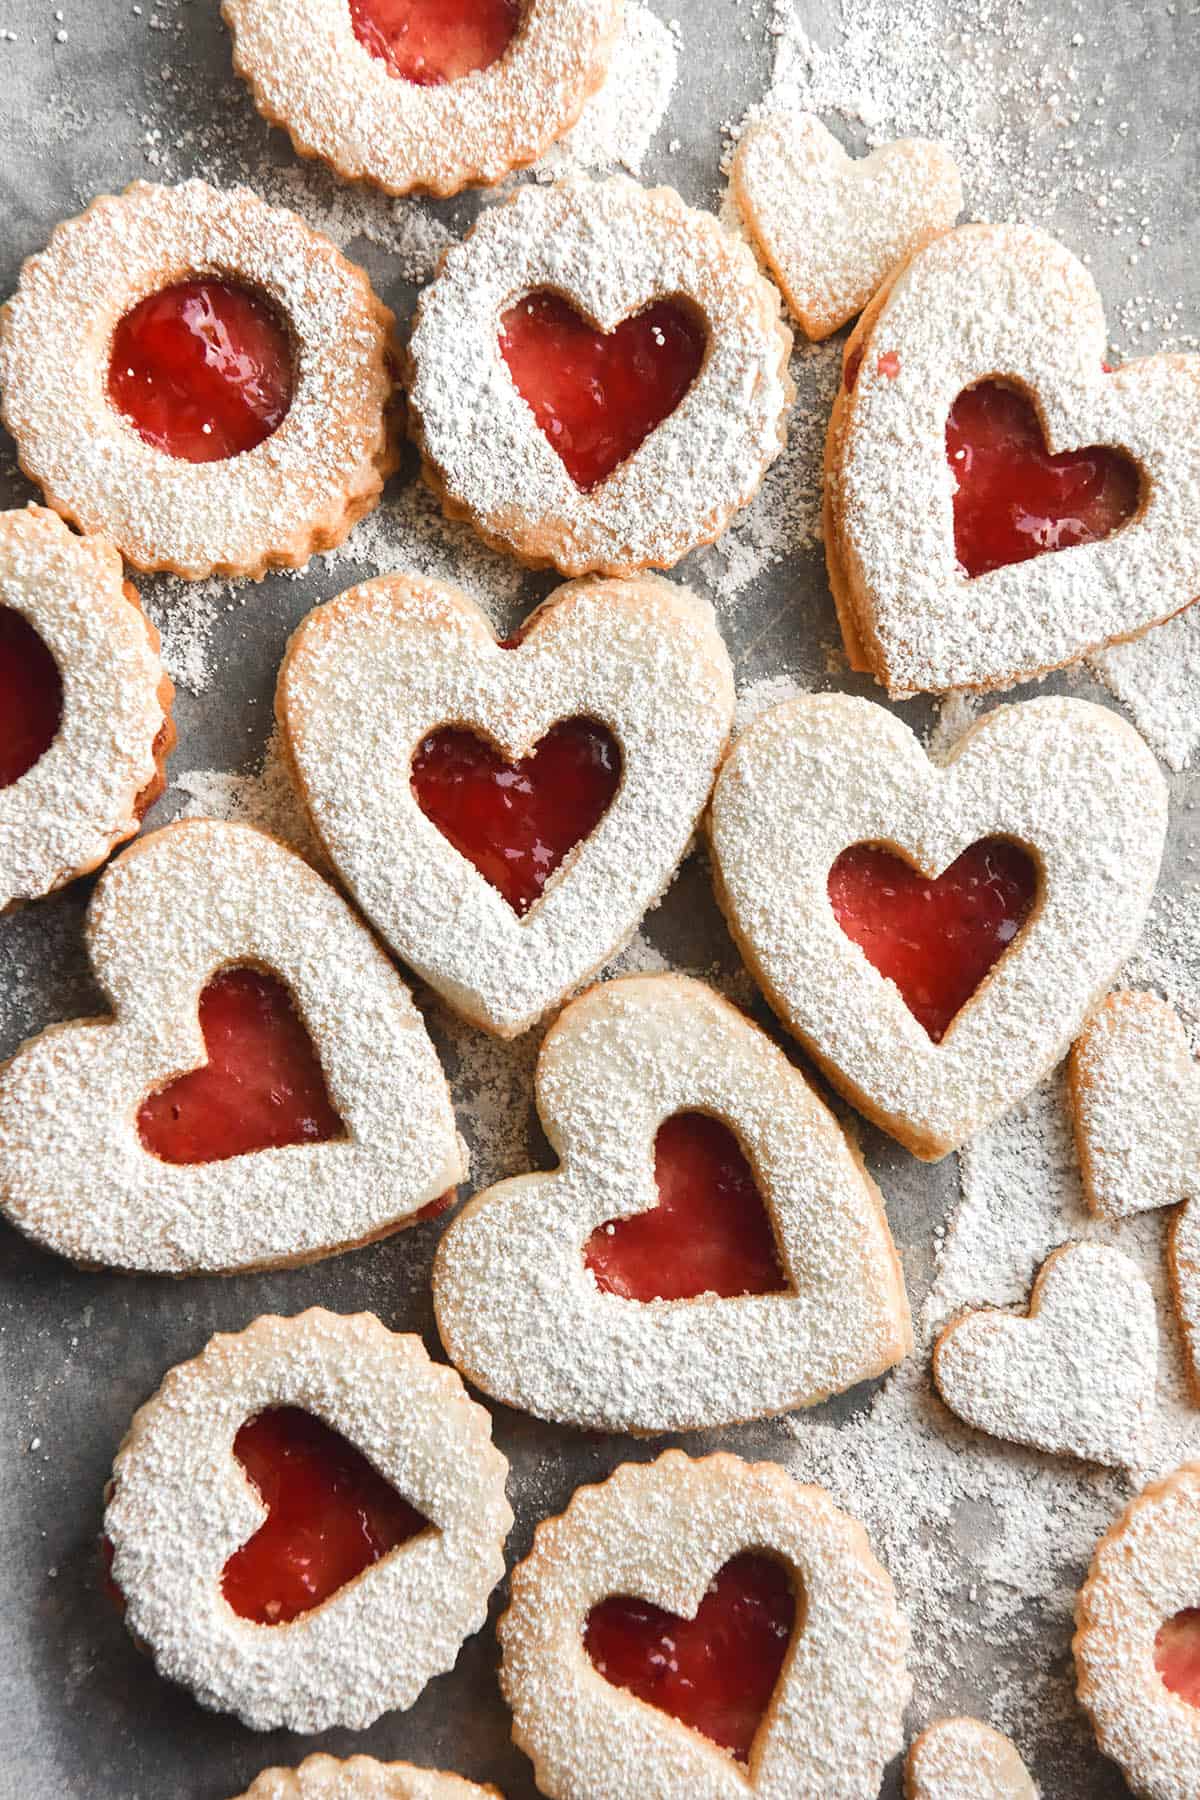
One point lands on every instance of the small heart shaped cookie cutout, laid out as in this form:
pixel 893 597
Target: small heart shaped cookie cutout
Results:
pixel 31 696
pixel 962 1759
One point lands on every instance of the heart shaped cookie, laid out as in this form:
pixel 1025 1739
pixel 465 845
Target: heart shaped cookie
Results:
pixel 829 228
pixel 961 1759
pixel 1067 783
pixel 1075 1378
pixel 362 1778
pixel 184 1506
pixel 238 1110
pixel 638 672
pixel 672 1538
pixel 997 308
pixel 760 1276
pixel 501 384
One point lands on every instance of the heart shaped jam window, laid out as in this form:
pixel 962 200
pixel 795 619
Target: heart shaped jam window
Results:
pixel 430 42
pixel 517 821
pixel 261 1087
pixel 709 1233
pixel 1177 1655
pixel 330 1515
pixel 202 370
pixel 31 696
pixel 935 939
pixel 716 1672
pixel 597 395
pixel 1014 500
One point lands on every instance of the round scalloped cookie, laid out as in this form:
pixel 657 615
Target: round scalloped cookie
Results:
pixel 961 1759
pixel 362 1778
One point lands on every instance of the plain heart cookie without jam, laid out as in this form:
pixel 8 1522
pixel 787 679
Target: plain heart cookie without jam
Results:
pixel 325 1573
pixel 506 813
pixel 830 778
pixel 1075 1377
pixel 362 1778
pixel 85 706
pixel 998 500
pixel 710 1248
pixel 200 377
pixel 598 377
pixel 422 95
pixel 831 229
pixel 961 1759
pixel 239 1109
pixel 701 1630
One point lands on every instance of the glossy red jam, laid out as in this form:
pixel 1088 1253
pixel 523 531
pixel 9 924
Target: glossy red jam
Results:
pixel 1014 499
pixel 596 395
pixel 330 1516
pixel 935 939
pixel 1177 1655
pixel 31 696
pixel 261 1087
pixel 202 370
pixel 517 821
pixel 709 1233
pixel 715 1672
pixel 434 41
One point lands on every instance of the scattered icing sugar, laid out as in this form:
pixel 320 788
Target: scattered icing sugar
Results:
pixel 761 695
pixel 622 117
pixel 265 797
pixel 1157 679
pixel 187 616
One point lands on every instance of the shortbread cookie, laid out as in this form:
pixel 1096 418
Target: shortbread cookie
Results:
pixel 831 229
pixel 202 378
pixel 1075 1378
pixel 206 1526
pixel 710 1249
pixel 998 500
pixel 609 1660
pixel 598 377
pixel 239 1109
pixel 1137 1643
pixel 430 102
pixel 506 888
pixel 85 707
pixel 960 1759
pixel 934 1000
pixel 362 1778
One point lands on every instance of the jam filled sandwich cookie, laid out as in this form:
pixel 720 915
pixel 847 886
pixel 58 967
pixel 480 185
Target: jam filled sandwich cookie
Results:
pixel 831 229
pixel 960 1759
pixel 505 814
pixel 362 1778
pixel 305 1523
pixel 935 933
pixel 200 377
pixel 710 1248
pixel 1137 1642
pixel 598 377
pixel 703 1631
pixel 239 1108
pixel 85 708
pixel 999 500
pixel 422 95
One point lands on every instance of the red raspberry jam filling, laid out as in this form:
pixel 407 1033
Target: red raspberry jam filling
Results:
pixel 1177 1655
pixel 709 1233
pixel 935 939
pixel 430 42
pixel 330 1516
pixel 202 370
pixel 715 1672
pixel 31 696
pixel 517 821
pixel 261 1087
pixel 1014 499
pixel 596 395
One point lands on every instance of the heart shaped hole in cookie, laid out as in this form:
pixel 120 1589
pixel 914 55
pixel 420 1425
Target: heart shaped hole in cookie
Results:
pixel 938 939
pixel 31 696
pixel 710 1232
pixel 262 1086
pixel 596 395
pixel 716 1672
pixel 1177 1655
pixel 516 822
pixel 331 1515
pixel 1014 500
pixel 430 42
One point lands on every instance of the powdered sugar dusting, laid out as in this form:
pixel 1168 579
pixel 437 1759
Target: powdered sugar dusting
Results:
pixel 1157 678
pixel 265 797
pixel 621 119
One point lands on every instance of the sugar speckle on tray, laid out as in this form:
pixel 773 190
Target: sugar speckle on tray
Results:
pixel 621 120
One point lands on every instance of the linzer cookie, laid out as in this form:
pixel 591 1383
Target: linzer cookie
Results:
pixel 961 1759
pixel 598 377
pixel 936 932
pixel 305 1523
pixel 85 707
pixel 362 1778
pixel 999 500
pixel 200 377
pixel 239 1108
